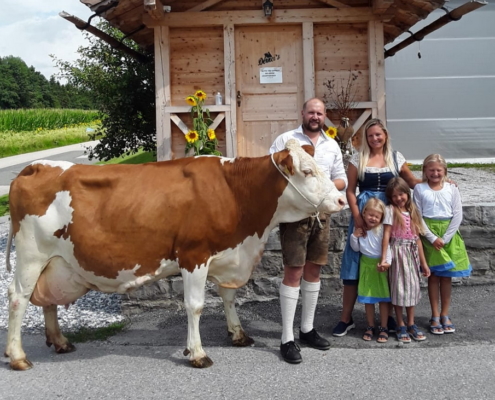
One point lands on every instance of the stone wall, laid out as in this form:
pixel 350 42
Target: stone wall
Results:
pixel 477 229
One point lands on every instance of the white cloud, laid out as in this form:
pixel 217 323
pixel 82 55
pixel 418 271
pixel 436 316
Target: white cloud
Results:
pixel 32 30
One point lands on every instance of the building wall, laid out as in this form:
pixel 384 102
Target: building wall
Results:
pixel 444 101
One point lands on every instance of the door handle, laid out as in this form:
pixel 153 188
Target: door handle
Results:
pixel 239 98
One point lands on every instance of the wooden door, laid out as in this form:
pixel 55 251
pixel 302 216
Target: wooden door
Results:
pixel 269 85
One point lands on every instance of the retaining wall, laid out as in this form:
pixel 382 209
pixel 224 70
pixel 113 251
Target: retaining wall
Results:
pixel 477 229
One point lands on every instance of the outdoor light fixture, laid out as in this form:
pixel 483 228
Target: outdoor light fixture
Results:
pixel 267 8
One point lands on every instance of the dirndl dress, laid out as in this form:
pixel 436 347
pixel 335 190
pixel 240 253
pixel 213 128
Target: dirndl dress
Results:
pixel 373 285
pixel 450 261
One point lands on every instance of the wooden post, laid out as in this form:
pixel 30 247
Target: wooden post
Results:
pixel 162 93
pixel 230 95
pixel 377 68
pixel 308 60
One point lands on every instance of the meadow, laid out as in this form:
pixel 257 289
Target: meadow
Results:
pixel 26 130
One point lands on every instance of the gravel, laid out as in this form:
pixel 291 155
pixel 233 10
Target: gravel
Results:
pixel 95 309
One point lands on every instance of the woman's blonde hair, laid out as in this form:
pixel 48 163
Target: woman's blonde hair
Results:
pixel 401 185
pixel 375 204
pixel 438 159
pixel 364 151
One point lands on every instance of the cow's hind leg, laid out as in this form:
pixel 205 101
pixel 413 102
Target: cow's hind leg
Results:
pixel 20 291
pixel 52 331
pixel 194 300
pixel 239 337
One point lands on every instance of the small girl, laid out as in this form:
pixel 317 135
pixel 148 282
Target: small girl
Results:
pixel 373 279
pixel 402 225
pixel 439 202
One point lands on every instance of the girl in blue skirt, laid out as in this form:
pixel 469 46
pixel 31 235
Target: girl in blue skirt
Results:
pixel 440 205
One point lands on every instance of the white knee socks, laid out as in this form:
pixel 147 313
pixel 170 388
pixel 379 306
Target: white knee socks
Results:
pixel 309 293
pixel 288 303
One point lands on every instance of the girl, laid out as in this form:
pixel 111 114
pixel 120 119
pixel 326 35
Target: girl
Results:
pixel 373 280
pixel 440 205
pixel 402 225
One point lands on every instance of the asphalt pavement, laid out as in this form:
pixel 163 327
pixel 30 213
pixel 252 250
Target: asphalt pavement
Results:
pixel 146 361
pixel 11 166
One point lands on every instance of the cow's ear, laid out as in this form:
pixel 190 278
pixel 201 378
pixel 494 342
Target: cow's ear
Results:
pixel 284 160
pixel 309 149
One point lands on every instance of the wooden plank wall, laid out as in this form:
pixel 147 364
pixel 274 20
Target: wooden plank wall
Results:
pixel 196 63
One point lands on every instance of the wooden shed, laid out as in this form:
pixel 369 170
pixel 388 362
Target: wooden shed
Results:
pixel 265 58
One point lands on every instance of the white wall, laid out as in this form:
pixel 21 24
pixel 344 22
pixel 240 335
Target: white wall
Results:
pixel 444 102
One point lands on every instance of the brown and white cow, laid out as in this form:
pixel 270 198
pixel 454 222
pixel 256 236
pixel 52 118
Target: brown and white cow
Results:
pixel 114 228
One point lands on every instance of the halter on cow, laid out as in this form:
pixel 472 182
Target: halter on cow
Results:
pixel 114 228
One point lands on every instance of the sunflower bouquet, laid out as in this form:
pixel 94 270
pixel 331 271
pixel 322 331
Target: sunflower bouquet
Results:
pixel 345 146
pixel 201 138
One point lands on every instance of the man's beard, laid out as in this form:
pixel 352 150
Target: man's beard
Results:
pixel 307 126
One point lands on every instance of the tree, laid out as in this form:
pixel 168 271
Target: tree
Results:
pixel 123 90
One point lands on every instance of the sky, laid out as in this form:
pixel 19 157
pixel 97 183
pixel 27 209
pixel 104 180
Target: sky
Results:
pixel 32 30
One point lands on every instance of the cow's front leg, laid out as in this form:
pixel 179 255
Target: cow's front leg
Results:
pixel 239 337
pixel 52 331
pixel 194 300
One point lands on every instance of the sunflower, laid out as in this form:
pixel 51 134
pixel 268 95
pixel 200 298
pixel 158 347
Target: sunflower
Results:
pixel 200 95
pixel 192 136
pixel 331 132
pixel 211 134
pixel 191 101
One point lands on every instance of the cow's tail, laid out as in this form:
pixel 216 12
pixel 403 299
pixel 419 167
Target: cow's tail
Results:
pixel 9 245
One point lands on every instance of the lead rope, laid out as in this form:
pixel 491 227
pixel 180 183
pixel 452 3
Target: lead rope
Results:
pixel 317 213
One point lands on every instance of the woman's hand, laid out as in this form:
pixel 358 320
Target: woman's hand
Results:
pixel 360 224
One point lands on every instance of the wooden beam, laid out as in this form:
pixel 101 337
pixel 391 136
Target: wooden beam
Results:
pixel 219 118
pixel 334 3
pixel 376 68
pixel 454 15
pixel 204 5
pixel 154 8
pixel 361 120
pixel 181 125
pixel 83 25
pixel 215 18
pixel 381 6
pixel 230 95
pixel 162 94
pixel 308 60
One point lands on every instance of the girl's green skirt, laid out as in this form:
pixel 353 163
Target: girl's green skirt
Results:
pixel 451 260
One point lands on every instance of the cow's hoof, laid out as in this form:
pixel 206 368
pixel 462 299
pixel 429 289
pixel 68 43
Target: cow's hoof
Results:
pixel 67 348
pixel 21 365
pixel 243 341
pixel 204 362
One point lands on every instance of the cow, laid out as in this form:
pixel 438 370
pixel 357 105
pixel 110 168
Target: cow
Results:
pixel 113 228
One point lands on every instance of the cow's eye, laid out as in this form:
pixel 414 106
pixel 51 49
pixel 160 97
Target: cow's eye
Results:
pixel 308 172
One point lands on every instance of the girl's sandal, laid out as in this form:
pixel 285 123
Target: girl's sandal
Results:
pixel 447 328
pixel 383 335
pixel 435 326
pixel 368 334
pixel 415 333
pixel 402 335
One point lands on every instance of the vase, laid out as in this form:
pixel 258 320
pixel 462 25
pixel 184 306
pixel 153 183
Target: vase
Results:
pixel 344 130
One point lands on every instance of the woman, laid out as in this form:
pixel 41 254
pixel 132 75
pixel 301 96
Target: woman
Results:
pixel 370 169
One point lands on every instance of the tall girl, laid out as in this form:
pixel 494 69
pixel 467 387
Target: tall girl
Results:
pixel 439 202
pixel 402 226
pixel 373 278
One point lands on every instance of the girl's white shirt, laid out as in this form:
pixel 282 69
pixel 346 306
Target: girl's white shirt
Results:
pixel 371 245
pixel 439 204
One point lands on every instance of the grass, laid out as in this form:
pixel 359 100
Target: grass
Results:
pixel 140 157
pixel 84 335
pixel 14 143
pixel 4 205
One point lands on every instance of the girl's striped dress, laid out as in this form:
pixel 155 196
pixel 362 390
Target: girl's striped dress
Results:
pixel 404 275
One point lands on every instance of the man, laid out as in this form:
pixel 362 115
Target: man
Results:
pixel 304 243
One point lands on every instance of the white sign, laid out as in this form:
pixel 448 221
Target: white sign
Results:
pixel 271 75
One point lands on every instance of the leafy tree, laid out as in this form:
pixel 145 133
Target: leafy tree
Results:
pixel 123 89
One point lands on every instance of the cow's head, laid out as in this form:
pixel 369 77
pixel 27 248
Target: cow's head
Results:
pixel 308 189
